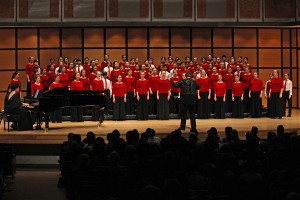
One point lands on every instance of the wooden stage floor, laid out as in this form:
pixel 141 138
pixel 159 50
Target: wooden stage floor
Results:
pixel 59 131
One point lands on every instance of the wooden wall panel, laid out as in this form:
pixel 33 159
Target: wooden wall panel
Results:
pixel 27 38
pixel 181 53
pixel 286 38
pixel 72 53
pixel 286 58
pixel 94 54
pixel 294 100
pixel 115 37
pixel 2 96
pixel 220 52
pixel 270 58
pixel 93 37
pixel 137 53
pixel 201 37
pixel 294 58
pixel 71 37
pixel 156 54
pixel 8 58
pixel 159 37
pixel 244 37
pixel 7 38
pixel 45 56
pixel 222 37
pixel 200 53
pixel 137 37
pixel 180 37
pixel 250 53
pixel 264 76
pixel 115 54
pixel 5 79
pixel 269 38
pixel 23 56
pixel 49 37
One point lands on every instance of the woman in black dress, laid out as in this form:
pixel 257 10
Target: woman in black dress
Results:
pixel 14 106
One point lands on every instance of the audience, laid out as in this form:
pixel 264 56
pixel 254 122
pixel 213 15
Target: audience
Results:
pixel 146 167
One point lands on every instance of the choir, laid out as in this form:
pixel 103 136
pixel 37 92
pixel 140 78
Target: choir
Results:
pixel 140 89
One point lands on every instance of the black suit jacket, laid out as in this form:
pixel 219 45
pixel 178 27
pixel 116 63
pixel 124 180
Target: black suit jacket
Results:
pixel 188 88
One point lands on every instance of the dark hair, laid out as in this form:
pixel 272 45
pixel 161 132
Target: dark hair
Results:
pixel 15 86
pixel 189 74
pixel 14 75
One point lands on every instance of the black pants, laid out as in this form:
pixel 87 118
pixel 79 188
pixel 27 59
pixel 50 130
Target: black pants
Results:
pixel 255 105
pixel 237 110
pixel 184 109
pixel 153 103
pixel 56 116
pixel 286 95
pixel 174 103
pixel 212 101
pixel 108 106
pixel 203 107
pixel 220 108
pixel 76 114
pixel 28 92
pixel 142 107
pixel 130 103
pixel 119 109
pixel 268 106
pixel 163 107
pixel 229 103
pixel 246 101
pixel 276 108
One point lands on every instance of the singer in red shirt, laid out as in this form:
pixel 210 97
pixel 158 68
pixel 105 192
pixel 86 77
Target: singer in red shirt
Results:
pixel 97 83
pixel 229 80
pixel 15 79
pixel 45 80
pixel 154 82
pixel 64 77
pixel 142 96
pixel 246 78
pixel 119 99
pixel 84 80
pixel 255 95
pixel 76 111
pixel 267 94
pixel 220 98
pixel 51 74
pixel 37 85
pixel 29 74
pixel 275 93
pixel 237 98
pixel 163 97
pixel 129 81
pixel 204 95
pixel 175 93
pixel 213 79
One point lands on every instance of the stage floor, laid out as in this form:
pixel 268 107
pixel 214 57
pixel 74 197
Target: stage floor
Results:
pixel 58 131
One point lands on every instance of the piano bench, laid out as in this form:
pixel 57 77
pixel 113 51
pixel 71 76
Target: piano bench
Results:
pixel 10 118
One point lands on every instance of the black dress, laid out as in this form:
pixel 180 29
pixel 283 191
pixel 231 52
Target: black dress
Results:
pixel 13 106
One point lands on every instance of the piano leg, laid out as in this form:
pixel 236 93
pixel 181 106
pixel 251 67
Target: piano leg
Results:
pixel 46 116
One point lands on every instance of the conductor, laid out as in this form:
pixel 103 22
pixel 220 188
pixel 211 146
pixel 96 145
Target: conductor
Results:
pixel 188 99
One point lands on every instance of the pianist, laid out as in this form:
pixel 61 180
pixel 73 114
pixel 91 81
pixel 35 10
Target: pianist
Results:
pixel 14 106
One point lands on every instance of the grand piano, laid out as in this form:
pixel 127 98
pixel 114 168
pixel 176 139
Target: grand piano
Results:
pixel 58 98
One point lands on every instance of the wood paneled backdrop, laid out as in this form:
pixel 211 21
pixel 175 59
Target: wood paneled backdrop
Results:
pixel 267 48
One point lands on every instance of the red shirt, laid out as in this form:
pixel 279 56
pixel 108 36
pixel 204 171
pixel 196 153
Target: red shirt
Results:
pixel 170 66
pixel 268 87
pixel 136 75
pixel 154 81
pixel 51 75
pixel 181 71
pixel 29 70
pixel 174 80
pixel 35 87
pixel 85 82
pixel 103 64
pixel 122 63
pixel 204 84
pixel 12 81
pixel 204 66
pixel 119 89
pixel 233 67
pixel 237 89
pixel 246 79
pixel 92 76
pixel 87 69
pixel 76 85
pixel 99 68
pixel 142 86
pixel 276 84
pixel 164 86
pixel 256 85
pixel 45 81
pixel 114 74
pixel 55 85
pixel 222 72
pixel 213 80
pixel 97 84
pixel 130 83
pixel 64 80
pixel 229 80
pixel 71 74
pixel 220 89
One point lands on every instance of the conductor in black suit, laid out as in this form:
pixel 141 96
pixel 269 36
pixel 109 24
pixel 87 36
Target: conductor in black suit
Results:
pixel 188 99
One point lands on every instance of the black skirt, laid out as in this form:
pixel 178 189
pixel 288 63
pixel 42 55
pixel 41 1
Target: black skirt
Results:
pixel 119 109
pixel 220 108
pixel 153 103
pixel 174 103
pixel 212 101
pixel 268 106
pixel 246 101
pixel 203 107
pixel 237 110
pixel 56 116
pixel 229 103
pixel 142 107
pixel 276 108
pixel 76 114
pixel 256 105
pixel 130 103
pixel 163 107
